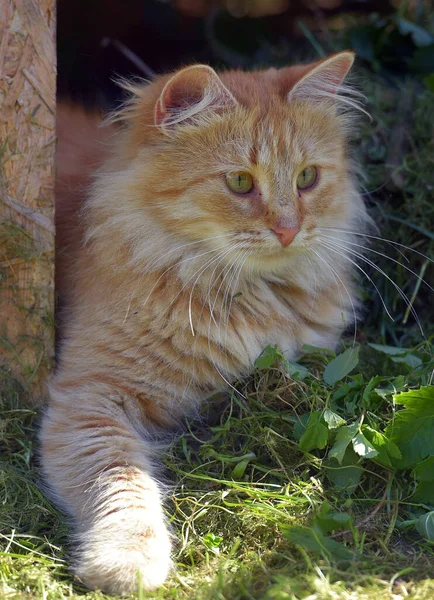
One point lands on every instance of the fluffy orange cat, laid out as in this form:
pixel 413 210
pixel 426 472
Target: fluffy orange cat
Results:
pixel 198 245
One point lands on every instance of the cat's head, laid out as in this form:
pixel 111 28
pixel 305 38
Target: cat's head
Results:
pixel 254 164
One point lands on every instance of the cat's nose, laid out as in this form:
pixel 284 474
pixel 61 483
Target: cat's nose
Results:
pixel 285 234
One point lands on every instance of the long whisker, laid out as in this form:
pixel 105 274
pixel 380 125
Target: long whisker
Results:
pixel 197 279
pixel 206 301
pixel 160 258
pixel 186 283
pixel 374 237
pixel 395 285
pixel 380 254
pixel 337 277
pixel 224 313
pixel 232 284
pixel 175 265
pixel 209 334
pixel 156 261
pixel 328 247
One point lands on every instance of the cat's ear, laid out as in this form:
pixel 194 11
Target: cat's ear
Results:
pixel 323 79
pixel 189 92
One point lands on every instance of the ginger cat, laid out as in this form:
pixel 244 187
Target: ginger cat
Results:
pixel 198 245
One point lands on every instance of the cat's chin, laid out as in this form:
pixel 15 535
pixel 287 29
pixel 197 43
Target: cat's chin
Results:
pixel 275 260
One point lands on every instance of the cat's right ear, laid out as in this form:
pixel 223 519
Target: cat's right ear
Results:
pixel 189 92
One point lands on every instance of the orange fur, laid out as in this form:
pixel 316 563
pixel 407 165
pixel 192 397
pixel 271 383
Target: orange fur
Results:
pixel 180 283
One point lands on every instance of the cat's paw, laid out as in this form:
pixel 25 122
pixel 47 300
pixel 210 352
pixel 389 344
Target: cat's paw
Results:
pixel 116 559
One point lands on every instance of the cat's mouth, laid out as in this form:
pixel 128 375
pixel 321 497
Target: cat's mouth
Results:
pixel 278 242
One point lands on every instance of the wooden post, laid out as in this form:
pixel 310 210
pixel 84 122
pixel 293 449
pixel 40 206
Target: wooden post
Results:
pixel 27 145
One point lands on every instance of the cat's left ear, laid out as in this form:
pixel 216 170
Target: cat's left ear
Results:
pixel 324 79
pixel 189 92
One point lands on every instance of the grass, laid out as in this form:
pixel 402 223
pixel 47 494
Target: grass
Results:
pixel 245 483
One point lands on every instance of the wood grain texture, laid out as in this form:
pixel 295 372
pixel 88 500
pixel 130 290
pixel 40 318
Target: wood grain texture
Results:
pixel 27 144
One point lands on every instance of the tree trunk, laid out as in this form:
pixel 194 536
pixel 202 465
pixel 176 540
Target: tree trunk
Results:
pixel 27 145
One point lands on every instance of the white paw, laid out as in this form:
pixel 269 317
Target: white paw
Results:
pixel 116 559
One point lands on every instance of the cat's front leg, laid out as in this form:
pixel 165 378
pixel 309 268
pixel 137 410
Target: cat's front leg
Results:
pixel 98 468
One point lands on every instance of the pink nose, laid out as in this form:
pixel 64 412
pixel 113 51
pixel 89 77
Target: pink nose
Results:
pixel 285 234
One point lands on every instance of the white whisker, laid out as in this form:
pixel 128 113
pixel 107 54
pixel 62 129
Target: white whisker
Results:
pixel 374 237
pixel 395 285
pixel 328 247
pixel 228 251
pixel 381 254
pixel 346 290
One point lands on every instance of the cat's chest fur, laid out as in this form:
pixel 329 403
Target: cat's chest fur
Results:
pixel 211 338
pixel 172 347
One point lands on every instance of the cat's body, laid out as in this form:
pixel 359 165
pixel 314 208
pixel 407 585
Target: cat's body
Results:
pixel 181 283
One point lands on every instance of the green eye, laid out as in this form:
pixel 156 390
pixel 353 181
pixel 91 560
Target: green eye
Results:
pixel 240 182
pixel 307 178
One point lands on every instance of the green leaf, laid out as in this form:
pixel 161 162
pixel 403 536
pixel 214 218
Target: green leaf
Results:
pixel 343 477
pixel 212 542
pixel 340 366
pixel 310 349
pixel 425 526
pixel 362 447
pixel 268 357
pixel 316 542
pixel 327 521
pixel 300 426
pixel 387 451
pixel 295 370
pixel 396 385
pixel 239 469
pixel 425 470
pixel 316 434
pixel 346 388
pixel 424 493
pixel 410 360
pixel 390 350
pixel 412 429
pixel 343 438
pixel 272 355
pixel 399 355
pixel 332 419
pixel 346 476
pixel 424 473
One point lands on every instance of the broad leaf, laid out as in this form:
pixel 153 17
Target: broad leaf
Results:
pixel 399 355
pixel 295 370
pixel 327 521
pixel 425 470
pixel 362 447
pixel 316 434
pixel 267 358
pixel 425 526
pixel 300 426
pixel 332 419
pixel 340 366
pixel 347 475
pixel 412 429
pixel 424 493
pixel 390 350
pixel 424 473
pixel 411 360
pixel 388 452
pixel 317 542
pixel 343 437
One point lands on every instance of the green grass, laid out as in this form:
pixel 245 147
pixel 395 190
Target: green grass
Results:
pixel 242 478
